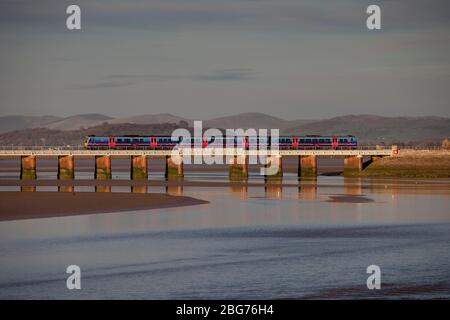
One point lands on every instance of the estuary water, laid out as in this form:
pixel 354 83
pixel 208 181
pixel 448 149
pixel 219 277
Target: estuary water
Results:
pixel 313 239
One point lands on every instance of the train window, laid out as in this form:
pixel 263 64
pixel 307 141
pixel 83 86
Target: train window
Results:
pixel 308 140
pixel 341 140
pixel 301 140
pixel 127 140
pixel 345 140
pixel 314 140
pixel 321 141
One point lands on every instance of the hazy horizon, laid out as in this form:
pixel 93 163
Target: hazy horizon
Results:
pixel 62 116
pixel 203 59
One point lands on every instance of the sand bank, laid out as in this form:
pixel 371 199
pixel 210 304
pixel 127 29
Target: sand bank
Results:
pixel 28 205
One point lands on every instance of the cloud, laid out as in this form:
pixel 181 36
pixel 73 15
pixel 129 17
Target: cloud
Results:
pixel 124 80
pixel 225 74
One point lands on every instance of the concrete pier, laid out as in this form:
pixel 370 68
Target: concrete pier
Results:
pixel 174 168
pixel 238 168
pixel 28 168
pixel 139 168
pixel 394 150
pixel 307 166
pixel 66 168
pixel 353 165
pixel 102 167
pixel 277 163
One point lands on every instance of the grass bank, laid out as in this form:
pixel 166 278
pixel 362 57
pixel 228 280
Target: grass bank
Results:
pixel 411 164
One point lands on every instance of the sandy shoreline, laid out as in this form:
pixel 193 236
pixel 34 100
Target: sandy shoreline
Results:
pixel 29 205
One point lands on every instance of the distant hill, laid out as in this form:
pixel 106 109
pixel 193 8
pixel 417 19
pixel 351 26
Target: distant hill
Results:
pixel 377 129
pixel 150 119
pixel 81 121
pixel 49 137
pixel 9 123
pixel 77 122
pixel 369 129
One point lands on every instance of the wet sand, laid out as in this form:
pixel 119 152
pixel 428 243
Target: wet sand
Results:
pixel 29 205
pixel 349 199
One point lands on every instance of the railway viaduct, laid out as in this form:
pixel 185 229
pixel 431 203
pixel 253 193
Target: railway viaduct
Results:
pixel 238 166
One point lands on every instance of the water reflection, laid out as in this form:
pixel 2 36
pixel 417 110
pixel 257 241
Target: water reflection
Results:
pixel 388 186
pixel 307 188
pixel 273 190
pixel 103 188
pixel 139 189
pixel 70 188
pixel 176 190
pixel 28 188
pixel 353 186
pixel 240 189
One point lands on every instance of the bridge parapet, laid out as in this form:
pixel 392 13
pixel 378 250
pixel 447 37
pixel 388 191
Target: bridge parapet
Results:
pixel 196 152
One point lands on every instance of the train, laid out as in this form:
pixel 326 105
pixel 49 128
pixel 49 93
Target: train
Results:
pixel 167 142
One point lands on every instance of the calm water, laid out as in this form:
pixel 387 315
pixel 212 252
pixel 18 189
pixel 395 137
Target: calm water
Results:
pixel 315 241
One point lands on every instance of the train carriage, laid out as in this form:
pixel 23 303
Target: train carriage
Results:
pixel 262 142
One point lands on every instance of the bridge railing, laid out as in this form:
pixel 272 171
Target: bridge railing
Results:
pixel 79 147
pixel 11 147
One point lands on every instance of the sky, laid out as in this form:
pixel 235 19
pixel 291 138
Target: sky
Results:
pixel 201 59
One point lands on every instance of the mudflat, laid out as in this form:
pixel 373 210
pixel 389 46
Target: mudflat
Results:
pixel 28 205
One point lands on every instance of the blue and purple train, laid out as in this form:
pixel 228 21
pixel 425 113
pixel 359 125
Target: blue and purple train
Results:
pixel 167 142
